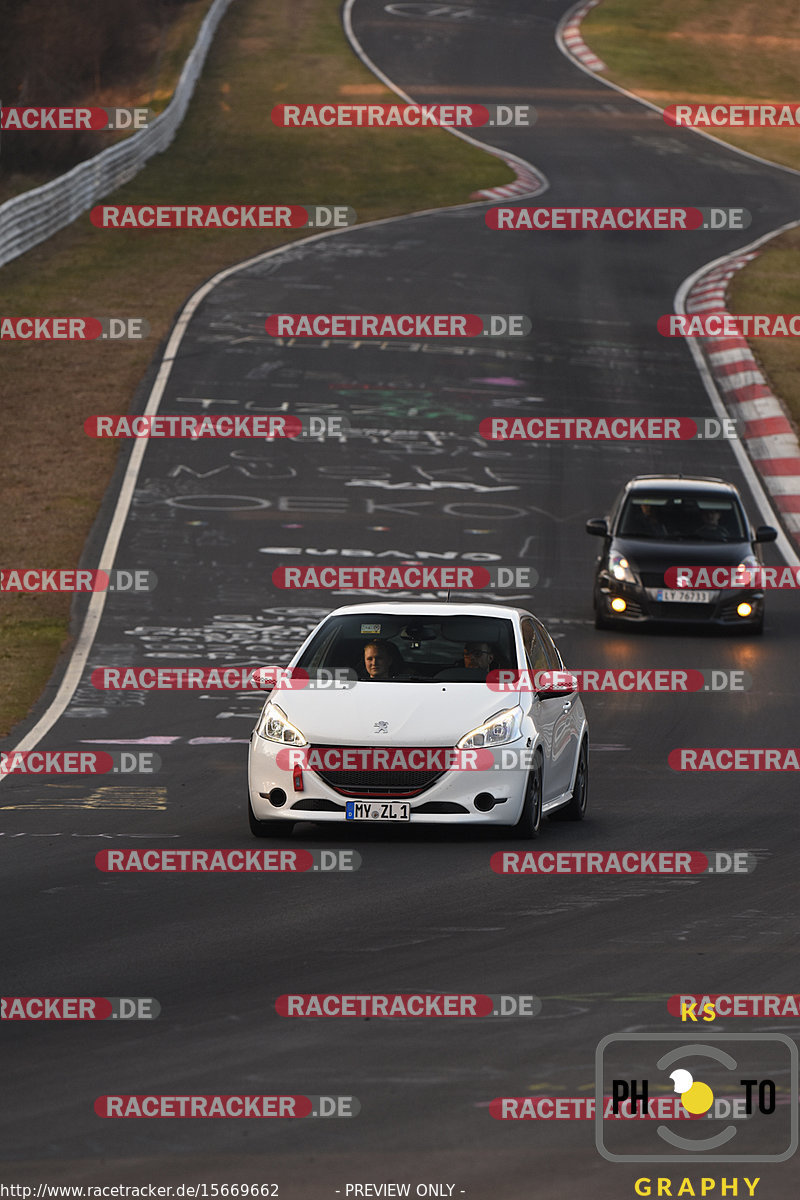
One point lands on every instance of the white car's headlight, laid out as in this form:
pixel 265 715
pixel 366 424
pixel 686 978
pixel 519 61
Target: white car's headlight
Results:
pixel 275 726
pixel 620 568
pixel 501 728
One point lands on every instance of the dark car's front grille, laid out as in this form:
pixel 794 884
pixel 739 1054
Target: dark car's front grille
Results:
pixel 652 579
pixel 378 783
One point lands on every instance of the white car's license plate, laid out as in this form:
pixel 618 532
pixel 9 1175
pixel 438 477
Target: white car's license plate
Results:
pixel 361 810
pixel 681 596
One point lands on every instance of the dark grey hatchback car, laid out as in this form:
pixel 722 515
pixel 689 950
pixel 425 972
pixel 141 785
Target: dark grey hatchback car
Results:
pixel 662 521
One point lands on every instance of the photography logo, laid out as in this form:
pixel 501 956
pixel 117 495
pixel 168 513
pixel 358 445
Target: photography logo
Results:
pixel 696 1098
pixel 738 1097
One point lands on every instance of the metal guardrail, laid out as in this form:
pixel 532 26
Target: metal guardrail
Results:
pixel 34 216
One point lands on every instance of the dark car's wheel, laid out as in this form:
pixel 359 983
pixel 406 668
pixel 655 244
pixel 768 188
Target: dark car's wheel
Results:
pixel 530 819
pixel 263 829
pixel 575 810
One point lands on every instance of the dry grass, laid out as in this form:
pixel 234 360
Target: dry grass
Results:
pixel 771 283
pixel 732 51
pixel 727 52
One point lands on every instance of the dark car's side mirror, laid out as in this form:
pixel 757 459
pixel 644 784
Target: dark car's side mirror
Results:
pixel 766 533
pixel 598 526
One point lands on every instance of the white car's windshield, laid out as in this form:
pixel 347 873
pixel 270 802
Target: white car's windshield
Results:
pixel 413 648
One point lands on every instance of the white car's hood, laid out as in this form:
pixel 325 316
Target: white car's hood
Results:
pixel 415 714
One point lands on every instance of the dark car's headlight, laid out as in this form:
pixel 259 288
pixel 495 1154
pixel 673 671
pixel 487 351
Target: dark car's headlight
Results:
pixel 620 568
pixel 503 727
pixel 748 563
pixel 275 726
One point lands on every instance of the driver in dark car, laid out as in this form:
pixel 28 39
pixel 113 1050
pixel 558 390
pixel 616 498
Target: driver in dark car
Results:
pixel 710 527
pixel 645 522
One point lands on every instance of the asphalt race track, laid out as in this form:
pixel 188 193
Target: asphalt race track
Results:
pixel 424 912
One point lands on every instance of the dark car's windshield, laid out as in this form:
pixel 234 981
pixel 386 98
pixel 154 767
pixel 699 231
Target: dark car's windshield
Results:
pixel 683 516
pixel 410 647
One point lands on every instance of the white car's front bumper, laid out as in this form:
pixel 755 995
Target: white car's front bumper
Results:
pixel 449 800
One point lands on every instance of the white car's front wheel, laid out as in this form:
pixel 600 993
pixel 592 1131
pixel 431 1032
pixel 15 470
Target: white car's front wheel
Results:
pixel 530 820
pixel 575 810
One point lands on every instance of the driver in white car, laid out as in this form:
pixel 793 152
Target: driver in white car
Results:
pixel 381 660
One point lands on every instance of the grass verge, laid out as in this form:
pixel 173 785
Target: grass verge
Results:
pixel 265 52
pixel 771 283
pixel 720 51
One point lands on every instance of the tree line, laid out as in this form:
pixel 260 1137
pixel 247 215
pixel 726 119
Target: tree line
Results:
pixel 62 53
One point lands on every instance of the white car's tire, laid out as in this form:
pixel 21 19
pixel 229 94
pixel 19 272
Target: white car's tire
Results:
pixel 575 810
pixel 530 819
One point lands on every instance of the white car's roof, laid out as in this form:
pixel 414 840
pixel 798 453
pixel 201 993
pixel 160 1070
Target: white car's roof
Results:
pixel 449 608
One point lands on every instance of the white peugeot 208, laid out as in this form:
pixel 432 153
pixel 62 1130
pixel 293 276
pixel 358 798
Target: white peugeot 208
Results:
pixel 421 712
